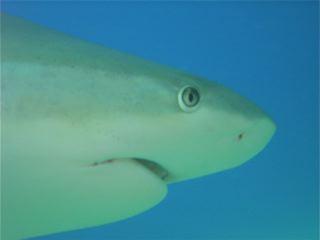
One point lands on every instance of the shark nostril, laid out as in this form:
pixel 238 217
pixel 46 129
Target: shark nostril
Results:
pixel 240 136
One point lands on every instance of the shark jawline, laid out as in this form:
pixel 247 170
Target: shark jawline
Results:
pixel 154 167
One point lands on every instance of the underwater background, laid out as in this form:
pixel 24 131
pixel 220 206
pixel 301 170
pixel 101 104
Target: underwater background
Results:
pixel 266 51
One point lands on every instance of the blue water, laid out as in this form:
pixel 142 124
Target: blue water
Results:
pixel 265 51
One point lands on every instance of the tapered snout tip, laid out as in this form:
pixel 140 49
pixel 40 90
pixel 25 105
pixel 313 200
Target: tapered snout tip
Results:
pixel 260 134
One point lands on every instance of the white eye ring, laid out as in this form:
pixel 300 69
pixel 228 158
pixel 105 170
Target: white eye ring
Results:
pixel 189 98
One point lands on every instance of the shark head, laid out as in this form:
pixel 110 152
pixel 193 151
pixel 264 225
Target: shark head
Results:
pixel 190 127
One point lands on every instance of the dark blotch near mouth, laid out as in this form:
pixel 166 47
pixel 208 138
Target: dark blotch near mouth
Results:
pixel 102 162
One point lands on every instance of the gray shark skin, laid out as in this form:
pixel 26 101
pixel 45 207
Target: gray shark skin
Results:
pixel 90 136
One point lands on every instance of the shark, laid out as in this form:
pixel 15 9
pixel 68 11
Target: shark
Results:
pixel 91 135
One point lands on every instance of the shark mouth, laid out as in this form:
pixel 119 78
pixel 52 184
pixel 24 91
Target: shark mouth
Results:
pixel 154 167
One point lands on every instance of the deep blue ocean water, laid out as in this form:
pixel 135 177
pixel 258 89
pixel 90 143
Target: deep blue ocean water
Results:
pixel 266 51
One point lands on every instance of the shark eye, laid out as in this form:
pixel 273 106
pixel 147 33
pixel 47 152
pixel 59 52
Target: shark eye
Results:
pixel 189 98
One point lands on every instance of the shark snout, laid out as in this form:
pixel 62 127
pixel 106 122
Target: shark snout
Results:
pixel 258 135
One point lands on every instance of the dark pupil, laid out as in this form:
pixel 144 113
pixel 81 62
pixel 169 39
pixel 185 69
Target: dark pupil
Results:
pixel 191 97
